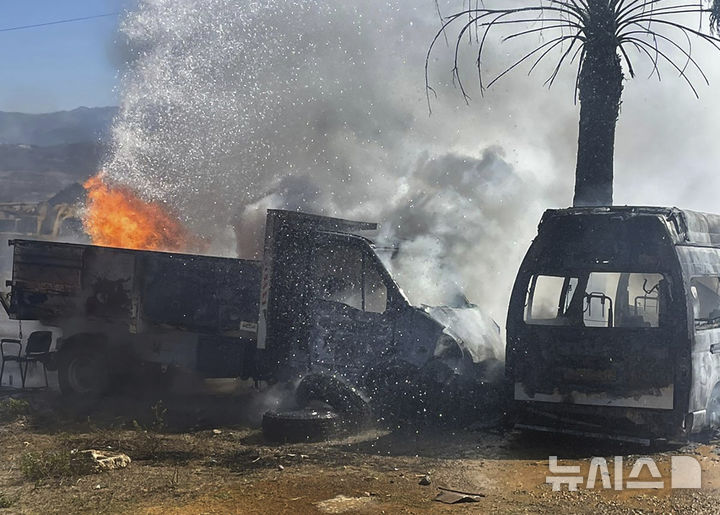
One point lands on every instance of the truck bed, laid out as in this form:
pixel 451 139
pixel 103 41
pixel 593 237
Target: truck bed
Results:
pixel 142 290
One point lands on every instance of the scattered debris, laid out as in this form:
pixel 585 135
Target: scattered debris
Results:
pixel 343 504
pixel 293 455
pixel 455 498
pixel 280 468
pixel 452 496
pixel 93 460
pixel 425 480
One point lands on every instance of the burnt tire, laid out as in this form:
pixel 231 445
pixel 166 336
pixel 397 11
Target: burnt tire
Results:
pixel 330 390
pixel 83 371
pixel 304 425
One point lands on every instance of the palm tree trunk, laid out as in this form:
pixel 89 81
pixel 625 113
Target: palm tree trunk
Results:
pixel 599 88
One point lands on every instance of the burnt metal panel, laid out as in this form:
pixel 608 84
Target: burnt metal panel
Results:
pixel 571 366
pixel 702 228
pixel 286 318
pixel 225 357
pixel 684 226
pixel 705 366
pixel 56 282
pixel 47 280
pixel 199 294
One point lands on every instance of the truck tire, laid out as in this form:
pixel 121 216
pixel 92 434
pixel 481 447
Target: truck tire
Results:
pixel 335 393
pixel 83 371
pixel 305 425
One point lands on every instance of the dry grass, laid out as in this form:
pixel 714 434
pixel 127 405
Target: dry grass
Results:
pixel 12 409
pixel 5 501
pixel 36 466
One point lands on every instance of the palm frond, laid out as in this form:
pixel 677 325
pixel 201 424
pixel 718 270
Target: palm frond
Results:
pixel 715 15
pixel 652 29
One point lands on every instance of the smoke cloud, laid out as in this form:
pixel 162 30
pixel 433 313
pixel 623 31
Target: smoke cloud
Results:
pixel 319 105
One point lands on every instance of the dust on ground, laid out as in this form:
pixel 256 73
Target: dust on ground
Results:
pixel 204 454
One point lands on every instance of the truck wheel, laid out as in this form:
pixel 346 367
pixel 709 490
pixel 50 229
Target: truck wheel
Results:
pixel 332 391
pixel 305 425
pixel 83 371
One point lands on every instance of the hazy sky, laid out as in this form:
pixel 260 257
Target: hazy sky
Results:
pixel 59 66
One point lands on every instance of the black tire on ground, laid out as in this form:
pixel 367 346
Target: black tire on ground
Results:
pixel 305 425
pixel 335 393
pixel 83 371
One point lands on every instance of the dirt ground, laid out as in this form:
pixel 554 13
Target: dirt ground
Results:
pixel 194 455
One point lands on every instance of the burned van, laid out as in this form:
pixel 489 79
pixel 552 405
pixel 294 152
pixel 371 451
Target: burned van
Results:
pixel 613 327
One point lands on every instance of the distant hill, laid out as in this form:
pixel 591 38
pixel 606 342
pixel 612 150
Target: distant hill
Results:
pixel 76 159
pixel 41 154
pixel 81 125
pixel 32 174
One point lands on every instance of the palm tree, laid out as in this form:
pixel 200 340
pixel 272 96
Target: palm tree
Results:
pixel 600 35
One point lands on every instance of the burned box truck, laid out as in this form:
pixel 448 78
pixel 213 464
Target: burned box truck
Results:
pixel 126 312
pixel 613 327
pixel 320 300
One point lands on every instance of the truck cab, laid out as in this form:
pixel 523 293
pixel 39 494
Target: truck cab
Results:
pixel 329 304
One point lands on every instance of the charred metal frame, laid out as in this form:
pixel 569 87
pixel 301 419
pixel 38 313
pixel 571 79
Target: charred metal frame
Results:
pixel 608 381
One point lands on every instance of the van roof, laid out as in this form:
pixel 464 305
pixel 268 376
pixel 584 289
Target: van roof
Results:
pixel 685 226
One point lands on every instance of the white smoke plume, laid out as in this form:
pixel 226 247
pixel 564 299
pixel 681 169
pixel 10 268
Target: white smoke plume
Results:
pixel 230 107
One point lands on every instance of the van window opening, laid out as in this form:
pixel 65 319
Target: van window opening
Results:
pixel 705 293
pixel 597 299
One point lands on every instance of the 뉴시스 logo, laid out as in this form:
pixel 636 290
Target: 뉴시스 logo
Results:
pixel 685 472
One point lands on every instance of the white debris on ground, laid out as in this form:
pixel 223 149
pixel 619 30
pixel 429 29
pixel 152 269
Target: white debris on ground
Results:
pixel 100 461
pixel 344 504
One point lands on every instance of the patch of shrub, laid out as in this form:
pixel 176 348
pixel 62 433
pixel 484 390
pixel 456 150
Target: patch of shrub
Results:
pixel 148 440
pixel 12 409
pixel 146 444
pixel 5 501
pixel 36 466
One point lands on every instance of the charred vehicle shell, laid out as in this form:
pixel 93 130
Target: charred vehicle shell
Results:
pixel 320 301
pixel 614 324
pixel 330 305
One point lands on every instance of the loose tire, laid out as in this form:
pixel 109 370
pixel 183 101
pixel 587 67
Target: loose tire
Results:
pixel 83 371
pixel 305 425
pixel 330 390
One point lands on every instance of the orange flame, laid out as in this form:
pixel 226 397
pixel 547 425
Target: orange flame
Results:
pixel 116 216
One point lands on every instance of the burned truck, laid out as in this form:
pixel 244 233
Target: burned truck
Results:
pixel 321 300
pixel 125 312
pixel 613 327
